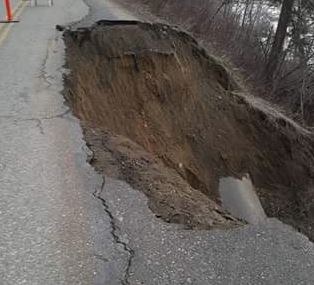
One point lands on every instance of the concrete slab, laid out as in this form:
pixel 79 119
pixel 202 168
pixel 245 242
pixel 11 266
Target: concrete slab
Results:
pixel 240 199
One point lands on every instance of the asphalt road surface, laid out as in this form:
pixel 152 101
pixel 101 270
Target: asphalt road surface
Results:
pixel 61 223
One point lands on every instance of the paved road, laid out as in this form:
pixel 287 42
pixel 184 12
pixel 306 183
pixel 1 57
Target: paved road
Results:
pixel 53 230
pixel 61 223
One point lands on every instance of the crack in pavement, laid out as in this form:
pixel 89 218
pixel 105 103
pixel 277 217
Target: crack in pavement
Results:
pixel 100 257
pixel 97 194
pixel 60 115
pixel 38 121
pixel 43 74
pixel 39 124
pixel 116 238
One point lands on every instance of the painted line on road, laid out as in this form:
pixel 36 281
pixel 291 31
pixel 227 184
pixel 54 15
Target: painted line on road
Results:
pixel 4 30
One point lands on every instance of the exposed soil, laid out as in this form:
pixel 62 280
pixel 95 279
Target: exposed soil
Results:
pixel 162 114
pixel 170 196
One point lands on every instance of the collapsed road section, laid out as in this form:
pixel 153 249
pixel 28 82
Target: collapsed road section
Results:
pixel 163 115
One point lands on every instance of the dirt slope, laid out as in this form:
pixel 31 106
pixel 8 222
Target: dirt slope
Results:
pixel 161 113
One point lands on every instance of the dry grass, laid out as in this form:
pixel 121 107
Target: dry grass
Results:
pixel 224 35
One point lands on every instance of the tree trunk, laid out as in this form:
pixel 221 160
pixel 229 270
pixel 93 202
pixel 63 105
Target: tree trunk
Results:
pixel 280 36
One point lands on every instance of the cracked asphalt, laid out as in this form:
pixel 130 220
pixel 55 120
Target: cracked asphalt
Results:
pixel 61 223
pixel 53 230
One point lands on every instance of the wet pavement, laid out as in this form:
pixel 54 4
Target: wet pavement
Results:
pixel 61 223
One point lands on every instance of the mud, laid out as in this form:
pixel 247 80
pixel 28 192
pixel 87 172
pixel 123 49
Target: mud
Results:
pixel 161 113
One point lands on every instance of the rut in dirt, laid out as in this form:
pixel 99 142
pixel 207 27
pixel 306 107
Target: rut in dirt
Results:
pixel 161 113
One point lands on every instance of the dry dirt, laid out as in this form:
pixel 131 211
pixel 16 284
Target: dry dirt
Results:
pixel 168 118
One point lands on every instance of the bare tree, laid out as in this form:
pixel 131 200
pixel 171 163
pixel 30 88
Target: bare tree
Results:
pixel 280 36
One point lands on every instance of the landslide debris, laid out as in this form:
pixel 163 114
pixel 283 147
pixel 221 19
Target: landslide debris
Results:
pixel 161 113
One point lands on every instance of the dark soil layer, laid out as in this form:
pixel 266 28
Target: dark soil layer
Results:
pixel 179 124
